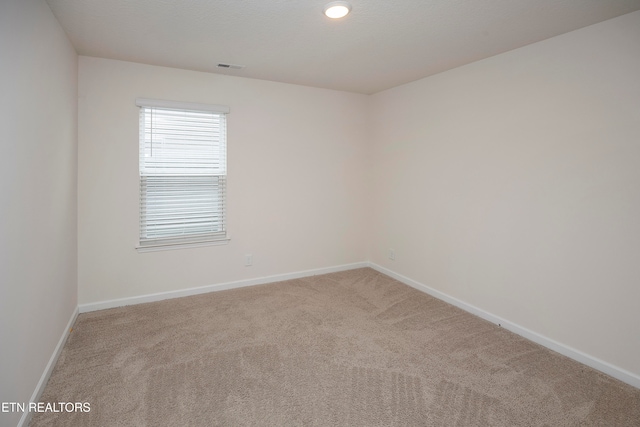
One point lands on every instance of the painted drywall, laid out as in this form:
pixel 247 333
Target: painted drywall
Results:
pixel 296 180
pixel 38 263
pixel 512 184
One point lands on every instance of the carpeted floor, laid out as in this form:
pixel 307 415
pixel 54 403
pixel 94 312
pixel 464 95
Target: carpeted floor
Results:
pixel 354 348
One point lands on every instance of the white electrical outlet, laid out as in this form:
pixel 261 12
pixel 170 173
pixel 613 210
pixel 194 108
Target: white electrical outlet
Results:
pixel 248 260
pixel 392 254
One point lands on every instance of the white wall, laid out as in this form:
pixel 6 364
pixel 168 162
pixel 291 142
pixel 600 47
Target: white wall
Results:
pixel 38 117
pixel 513 185
pixel 510 183
pixel 295 185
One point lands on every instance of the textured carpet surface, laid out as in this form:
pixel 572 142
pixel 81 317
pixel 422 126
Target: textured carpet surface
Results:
pixel 354 348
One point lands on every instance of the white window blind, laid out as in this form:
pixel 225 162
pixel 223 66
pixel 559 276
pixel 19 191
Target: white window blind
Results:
pixel 183 167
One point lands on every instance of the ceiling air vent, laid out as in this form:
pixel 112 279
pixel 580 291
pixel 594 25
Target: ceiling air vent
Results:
pixel 232 66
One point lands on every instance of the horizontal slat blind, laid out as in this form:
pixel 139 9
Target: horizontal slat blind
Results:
pixel 182 176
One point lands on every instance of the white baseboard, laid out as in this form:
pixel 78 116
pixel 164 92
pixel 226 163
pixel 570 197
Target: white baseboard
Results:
pixel 600 365
pixel 593 362
pixel 26 416
pixel 84 308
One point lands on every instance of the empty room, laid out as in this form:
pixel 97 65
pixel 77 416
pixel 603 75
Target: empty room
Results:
pixel 323 213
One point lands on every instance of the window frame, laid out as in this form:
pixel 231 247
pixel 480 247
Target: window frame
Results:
pixel 189 240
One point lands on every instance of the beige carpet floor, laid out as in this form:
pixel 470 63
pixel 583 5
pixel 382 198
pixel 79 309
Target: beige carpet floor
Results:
pixel 354 348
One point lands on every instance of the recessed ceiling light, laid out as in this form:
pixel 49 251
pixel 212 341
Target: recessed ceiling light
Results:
pixel 337 9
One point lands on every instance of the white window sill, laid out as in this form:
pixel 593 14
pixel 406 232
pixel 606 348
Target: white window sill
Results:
pixel 173 246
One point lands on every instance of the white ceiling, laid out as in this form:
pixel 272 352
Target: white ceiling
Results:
pixel 381 44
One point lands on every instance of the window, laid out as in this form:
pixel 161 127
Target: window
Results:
pixel 183 168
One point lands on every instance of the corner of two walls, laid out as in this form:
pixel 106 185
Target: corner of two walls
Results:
pixel 507 184
pixel 510 183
